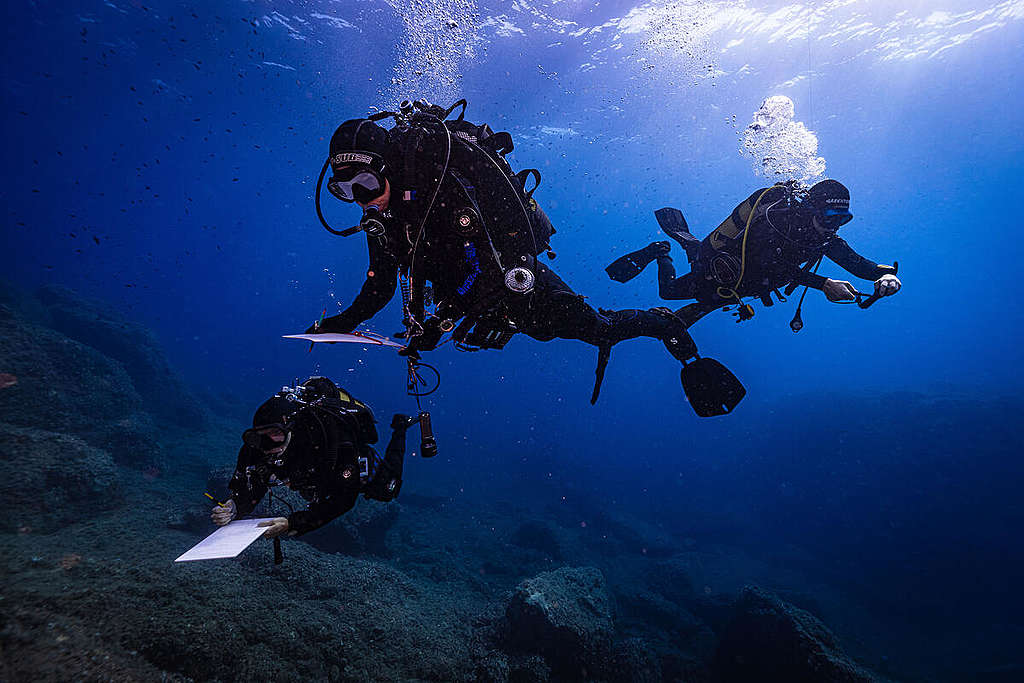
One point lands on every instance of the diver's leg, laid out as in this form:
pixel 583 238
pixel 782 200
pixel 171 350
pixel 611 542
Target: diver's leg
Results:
pixel 659 324
pixel 557 311
pixel 691 313
pixel 670 287
pixel 560 312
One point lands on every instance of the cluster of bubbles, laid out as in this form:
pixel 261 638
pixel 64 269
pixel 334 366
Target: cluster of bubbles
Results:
pixel 439 35
pixel 677 40
pixel 780 146
pixel 330 289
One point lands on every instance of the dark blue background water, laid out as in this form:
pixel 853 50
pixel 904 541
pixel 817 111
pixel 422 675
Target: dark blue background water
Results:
pixel 163 156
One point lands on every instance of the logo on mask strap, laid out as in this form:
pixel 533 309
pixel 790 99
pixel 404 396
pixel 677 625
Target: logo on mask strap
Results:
pixel 351 158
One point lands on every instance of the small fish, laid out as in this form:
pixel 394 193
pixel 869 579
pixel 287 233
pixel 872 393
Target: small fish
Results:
pixel 7 380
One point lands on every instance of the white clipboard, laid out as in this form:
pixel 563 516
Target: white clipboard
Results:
pixel 226 542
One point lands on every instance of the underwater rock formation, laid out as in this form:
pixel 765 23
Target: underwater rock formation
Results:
pixel 49 480
pixel 769 639
pixel 317 617
pixel 634 661
pixel 537 535
pixel 449 603
pixel 566 616
pixel 499 667
pixel 63 385
pixel 134 346
pixel 132 440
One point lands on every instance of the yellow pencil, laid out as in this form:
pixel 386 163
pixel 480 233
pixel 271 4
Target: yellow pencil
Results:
pixel 213 499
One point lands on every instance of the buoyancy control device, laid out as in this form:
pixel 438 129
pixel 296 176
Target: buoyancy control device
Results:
pixel 487 211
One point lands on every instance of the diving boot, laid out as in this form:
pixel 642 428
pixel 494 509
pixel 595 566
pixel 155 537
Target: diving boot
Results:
pixel 625 268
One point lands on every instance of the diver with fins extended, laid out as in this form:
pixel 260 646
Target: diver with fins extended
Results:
pixel 774 239
pixel 444 213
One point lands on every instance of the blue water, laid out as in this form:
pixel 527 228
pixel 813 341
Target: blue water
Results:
pixel 163 156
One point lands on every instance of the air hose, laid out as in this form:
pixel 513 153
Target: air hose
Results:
pixel 733 292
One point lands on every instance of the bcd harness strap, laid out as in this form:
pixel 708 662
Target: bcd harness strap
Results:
pixel 733 292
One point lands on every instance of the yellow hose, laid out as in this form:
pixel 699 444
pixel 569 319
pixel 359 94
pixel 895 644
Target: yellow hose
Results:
pixel 731 292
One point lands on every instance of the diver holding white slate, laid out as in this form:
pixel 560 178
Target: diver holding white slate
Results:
pixel 451 225
pixel 315 439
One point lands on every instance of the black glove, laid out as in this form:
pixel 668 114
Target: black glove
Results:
pixel 427 340
pixel 337 324
pixel 402 422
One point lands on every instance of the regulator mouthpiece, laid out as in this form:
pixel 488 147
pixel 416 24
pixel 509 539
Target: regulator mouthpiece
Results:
pixel 371 223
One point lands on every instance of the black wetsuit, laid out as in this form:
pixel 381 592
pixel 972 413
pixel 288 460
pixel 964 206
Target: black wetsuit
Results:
pixel 322 463
pixel 782 249
pixel 560 313
pixel 467 282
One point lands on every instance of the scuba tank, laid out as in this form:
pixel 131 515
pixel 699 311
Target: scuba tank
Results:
pixel 431 154
pixel 490 210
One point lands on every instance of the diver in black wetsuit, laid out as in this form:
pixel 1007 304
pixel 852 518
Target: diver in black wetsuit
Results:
pixel 442 206
pixel 315 439
pixel 788 236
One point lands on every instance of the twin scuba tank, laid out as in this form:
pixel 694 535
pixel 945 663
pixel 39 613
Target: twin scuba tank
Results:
pixel 491 202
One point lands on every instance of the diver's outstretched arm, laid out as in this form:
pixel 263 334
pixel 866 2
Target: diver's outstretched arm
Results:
pixel 378 289
pixel 840 252
pixel 387 481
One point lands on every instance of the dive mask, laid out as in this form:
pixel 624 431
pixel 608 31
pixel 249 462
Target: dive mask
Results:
pixel 833 219
pixel 356 184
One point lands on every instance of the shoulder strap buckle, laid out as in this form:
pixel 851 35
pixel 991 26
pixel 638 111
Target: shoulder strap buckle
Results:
pixel 498 143
pixel 522 177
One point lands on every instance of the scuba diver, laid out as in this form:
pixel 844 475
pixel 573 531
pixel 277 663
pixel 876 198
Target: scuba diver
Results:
pixel 775 238
pixel 315 438
pixel 444 213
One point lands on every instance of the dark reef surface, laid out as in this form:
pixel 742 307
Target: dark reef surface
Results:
pixel 449 583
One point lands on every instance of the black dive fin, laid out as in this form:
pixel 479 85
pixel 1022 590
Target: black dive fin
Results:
pixel 625 268
pixel 603 354
pixel 674 225
pixel 710 388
